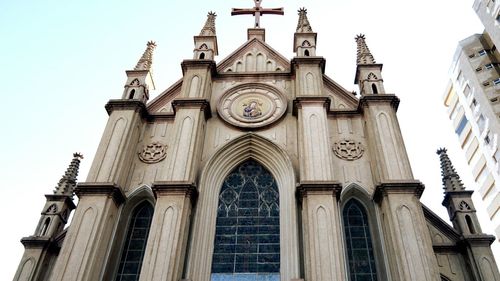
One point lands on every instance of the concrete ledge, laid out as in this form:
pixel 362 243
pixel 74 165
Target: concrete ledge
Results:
pixel 366 100
pixel 61 198
pixel 332 188
pixel 101 188
pixel 202 104
pixel 210 64
pixel 299 101
pixel 187 189
pixel 123 104
pixel 398 187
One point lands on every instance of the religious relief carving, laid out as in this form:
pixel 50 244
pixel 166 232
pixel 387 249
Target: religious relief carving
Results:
pixel 348 149
pixel 153 153
pixel 252 105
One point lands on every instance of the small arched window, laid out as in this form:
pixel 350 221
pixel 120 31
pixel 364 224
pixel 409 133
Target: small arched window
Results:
pixel 131 94
pixel 374 88
pixel 135 243
pixel 45 227
pixel 359 246
pixel 202 56
pixel 470 225
pixel 306 53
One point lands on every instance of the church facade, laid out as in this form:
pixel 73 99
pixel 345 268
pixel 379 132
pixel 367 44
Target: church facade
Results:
pixel 255 168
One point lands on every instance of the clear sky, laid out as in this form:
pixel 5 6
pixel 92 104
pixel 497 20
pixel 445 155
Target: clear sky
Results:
pixel 61 61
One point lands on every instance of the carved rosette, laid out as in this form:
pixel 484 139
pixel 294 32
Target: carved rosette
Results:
pixel 252 105
pixel 348 149
pixel 153 153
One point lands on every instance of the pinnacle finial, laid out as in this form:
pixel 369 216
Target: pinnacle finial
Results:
pixel 146 61
pixel 364 56
pixel 209 28
pixel 303 25
pixel 451 180
pixel 67 183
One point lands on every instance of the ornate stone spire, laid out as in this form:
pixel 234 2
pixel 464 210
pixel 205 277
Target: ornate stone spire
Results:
pixel 209 28
pixel 451 180
pixel 303 24
pixel 146 60
pixel 364 56
pixel 68 181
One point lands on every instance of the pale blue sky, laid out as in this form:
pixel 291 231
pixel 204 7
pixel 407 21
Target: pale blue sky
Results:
pixel 61 61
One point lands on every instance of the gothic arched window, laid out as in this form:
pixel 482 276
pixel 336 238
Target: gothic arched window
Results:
pixel 247 237
pixel 361 260
pixel 135 243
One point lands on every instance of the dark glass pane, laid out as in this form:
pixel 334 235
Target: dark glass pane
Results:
pixel 247 229
pixel 358 241
pixel 135 243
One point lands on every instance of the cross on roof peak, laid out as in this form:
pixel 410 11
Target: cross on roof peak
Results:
pixel 257 11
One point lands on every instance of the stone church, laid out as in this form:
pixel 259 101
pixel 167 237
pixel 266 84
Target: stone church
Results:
pixel 255 168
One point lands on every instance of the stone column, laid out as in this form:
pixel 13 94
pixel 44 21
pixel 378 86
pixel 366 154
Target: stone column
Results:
pixel 168 236
pixel 323 250
pixel 407 240
pixel 83 254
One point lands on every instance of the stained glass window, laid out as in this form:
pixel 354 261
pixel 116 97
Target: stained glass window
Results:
pixel 135 244
pixel 247 238
pixel 361 261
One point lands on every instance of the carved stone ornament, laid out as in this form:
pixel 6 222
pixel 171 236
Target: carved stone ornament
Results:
pixel 252 105
pixel 153 153
pixel 348 149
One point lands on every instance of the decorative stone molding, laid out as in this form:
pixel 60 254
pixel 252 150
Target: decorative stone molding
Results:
pixel 202 104
pixel 323 187
pixel 121 104
pixel 348 149
pixel 300 101
pixel 176 187
pixel 392 99
pixel 398 187
pixel 101 188
pixel 252 105
pixel 153 153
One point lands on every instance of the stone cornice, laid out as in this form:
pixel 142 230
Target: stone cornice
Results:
pixel 36 242
pixel 472 240
pixel 161 116
pixel 251 76
pixel 297 102
pixel 457 193
pixel 202 104
pixel 210 64
pixel 166 188
pixel 123 104
pixel 61 198
pixel 318 187
pixel 366 100
pixel 296 61
pixel 101 188
pixel 398 187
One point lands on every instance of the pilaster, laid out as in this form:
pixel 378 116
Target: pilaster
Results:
pixel 384 138
pixel 322 235
pixel 83 253
pixel 118 143
pixel 166 246
pixel 407 239
pixel 314 149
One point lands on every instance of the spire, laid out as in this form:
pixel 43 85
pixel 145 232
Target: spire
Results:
pixel 364 56
pixel 209 28
pixel 451 180
pixel 146 60
pixel 303 24
pixel 68 181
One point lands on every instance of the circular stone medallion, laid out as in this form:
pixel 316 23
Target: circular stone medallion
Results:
pixel 252 105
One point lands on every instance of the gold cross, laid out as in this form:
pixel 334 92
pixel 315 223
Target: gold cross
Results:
pixel 257 11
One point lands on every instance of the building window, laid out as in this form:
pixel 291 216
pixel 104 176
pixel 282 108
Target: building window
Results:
pixel 489 66
pixel 135 244
pixel 461 125
pixel 482 52
pixel 496 81
pixel 247 236
pixel 481 123
pixel 361 260
pixel 467 90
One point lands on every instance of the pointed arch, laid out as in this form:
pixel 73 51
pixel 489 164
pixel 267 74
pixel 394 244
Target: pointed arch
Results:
pixel 363 198
pixel 306 43
pixel 203 47
pixel 372 76
pixel 134 198
pixel 217 167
